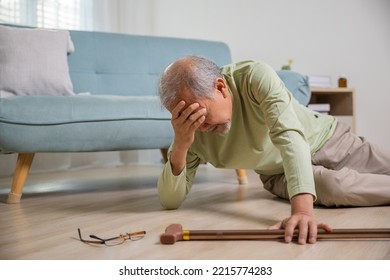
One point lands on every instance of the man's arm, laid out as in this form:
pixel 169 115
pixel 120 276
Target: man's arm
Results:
pixel 185 121
pixel 173 189
pixel 287 134
pixel 175 181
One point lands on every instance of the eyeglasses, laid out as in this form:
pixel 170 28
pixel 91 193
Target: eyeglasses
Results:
pixel 133 236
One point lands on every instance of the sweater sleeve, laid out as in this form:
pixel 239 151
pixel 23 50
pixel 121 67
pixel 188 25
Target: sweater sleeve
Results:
pixel 173 190
pixel 285 130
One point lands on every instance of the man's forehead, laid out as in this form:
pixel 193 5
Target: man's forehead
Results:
pixel 186 95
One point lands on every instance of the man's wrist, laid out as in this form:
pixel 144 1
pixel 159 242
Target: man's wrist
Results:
pixel 177 160
pixel 302 203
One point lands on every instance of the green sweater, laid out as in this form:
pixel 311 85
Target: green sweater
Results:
pixel 271 133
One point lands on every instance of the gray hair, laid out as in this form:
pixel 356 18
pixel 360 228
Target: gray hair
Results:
pixel 197 74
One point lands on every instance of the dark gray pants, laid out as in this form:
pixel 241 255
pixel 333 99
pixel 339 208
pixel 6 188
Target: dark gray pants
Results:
pixel 348 171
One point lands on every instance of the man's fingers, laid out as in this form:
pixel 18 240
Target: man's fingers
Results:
pixel 290 226
pixel 199 122
pixel 303 232
pixel 313 228
pixel 307 231
pixel 325 227
pixel 276 226
pixel 280 225
pixel 177 110
pixel 195 116
pixel 190 116
pixel 187 112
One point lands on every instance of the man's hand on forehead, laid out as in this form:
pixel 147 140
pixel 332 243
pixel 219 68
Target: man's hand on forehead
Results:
pixel 185 121
pixel 189 108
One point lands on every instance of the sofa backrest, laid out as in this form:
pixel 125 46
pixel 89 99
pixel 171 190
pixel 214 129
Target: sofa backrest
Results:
pixel 119 64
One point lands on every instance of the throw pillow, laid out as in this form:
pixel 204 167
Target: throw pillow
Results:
pixel 34 62
pixel 298 84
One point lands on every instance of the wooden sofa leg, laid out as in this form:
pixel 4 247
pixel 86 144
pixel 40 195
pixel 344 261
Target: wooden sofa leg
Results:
pixel 241 176
pixel 22 169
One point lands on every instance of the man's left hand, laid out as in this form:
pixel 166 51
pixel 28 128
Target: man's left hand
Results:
pixel 302 218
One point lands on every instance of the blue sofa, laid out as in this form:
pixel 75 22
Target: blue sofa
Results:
pixel 122 111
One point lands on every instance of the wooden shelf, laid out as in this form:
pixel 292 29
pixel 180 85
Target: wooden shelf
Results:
pixel 341 100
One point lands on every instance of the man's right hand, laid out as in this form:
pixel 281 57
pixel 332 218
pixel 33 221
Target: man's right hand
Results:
pixel 185 121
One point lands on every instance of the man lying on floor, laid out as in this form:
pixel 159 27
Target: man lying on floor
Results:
pixel 242 116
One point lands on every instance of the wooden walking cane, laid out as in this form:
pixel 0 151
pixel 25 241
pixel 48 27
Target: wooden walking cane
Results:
pixel 175 233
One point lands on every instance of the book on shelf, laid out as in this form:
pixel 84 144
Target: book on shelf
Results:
pixel 320 81
pixel 320 107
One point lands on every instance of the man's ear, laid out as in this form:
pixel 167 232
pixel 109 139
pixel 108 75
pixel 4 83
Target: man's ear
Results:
pixel 221 86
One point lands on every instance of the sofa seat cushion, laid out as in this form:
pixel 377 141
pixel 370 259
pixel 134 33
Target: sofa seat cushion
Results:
pixel 83 123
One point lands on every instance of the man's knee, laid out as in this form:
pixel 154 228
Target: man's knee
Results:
pixel 275 184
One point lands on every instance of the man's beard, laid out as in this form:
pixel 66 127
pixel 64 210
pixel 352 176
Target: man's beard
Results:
pixel 221 129
pixel 224 128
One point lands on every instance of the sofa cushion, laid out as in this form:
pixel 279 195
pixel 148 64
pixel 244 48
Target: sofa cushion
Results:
pixel 83 123
pixel 34 62
pixel 297 84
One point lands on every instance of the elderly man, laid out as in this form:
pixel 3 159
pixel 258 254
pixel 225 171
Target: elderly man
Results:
pixel 243 116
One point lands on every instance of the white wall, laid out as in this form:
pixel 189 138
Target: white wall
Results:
pixel 324 37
